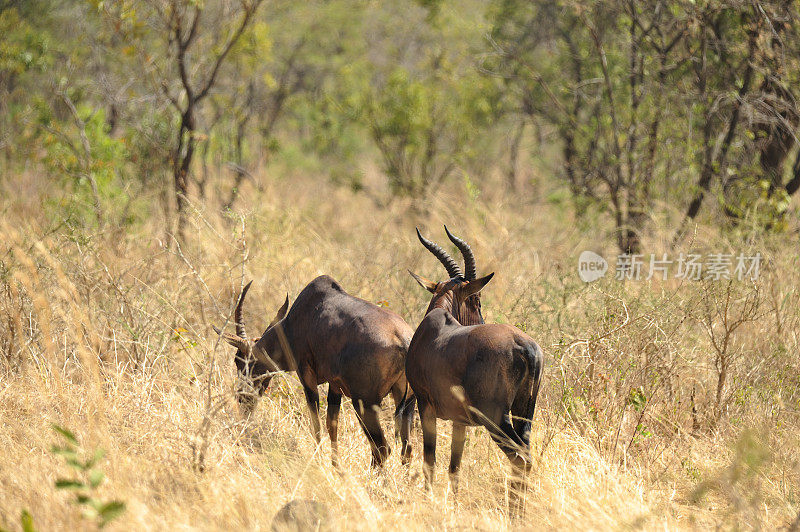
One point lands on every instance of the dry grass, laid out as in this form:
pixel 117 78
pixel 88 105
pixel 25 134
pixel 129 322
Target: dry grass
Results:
pixel 108 333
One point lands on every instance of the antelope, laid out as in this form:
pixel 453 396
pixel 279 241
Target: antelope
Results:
pixel 472 373
pixel 328 335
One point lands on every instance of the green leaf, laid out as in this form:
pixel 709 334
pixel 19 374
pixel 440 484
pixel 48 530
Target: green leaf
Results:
pixel 74 463
pixel 67 434
pixel 67 484
pixel 67 452
pixel 26 520
pixel 89 513
pixel 637 399
pixel 98 455
pixel 110 511
pixel 95 477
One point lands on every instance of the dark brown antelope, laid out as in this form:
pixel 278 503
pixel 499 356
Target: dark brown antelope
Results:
pixel 474 375
pixel 330 336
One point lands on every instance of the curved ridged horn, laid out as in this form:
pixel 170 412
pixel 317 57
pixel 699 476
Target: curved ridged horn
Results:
pixel 453 270
pixel 239 343
pixel 237 314
pixel 470 271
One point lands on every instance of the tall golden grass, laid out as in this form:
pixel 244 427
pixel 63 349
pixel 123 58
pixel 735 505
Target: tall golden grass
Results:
pixel 108 332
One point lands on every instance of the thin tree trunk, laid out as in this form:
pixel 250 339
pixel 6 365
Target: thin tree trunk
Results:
pixel 183 163
pixel 238 168
pixel 202 183
pixel 512 176
pixel 721 379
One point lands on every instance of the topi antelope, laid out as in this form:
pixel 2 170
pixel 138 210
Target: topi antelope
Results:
pixel 330 336
pixel 472 375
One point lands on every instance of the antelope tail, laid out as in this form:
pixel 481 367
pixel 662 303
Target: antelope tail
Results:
pixel 401 405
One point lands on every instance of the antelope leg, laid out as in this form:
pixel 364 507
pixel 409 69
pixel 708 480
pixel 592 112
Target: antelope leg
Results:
pixel 312 400
pixel 368 418
pixel 428 418
pixel 456 450
pixel 519 455
pixel 332 423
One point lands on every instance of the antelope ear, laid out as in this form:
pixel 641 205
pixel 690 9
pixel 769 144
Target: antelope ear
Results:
pixel 430 286
pixel 281 312
pixel 475 286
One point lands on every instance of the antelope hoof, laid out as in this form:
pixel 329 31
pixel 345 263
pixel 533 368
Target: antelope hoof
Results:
pixel 454 483
pixel 405 457
pixel 379 456
pixel 428 471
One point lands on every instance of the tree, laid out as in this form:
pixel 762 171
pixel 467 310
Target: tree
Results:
pixel 424 104
pixel 605 93
pixel 273 66
pixel 604 75
pixel 192 41
pixel 772 124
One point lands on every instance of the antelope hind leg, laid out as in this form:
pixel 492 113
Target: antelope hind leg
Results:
pixel 428 419
pixel 368 418
pixel 332 423
pixel 456 451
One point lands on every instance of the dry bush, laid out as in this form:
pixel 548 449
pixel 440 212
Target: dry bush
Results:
pixel 107 332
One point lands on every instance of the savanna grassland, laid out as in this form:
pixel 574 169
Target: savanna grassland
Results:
pixel 156 155
pixel 107 333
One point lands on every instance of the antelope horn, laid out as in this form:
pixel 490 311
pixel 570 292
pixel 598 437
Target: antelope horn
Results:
pixel 239 343
pixel 453 270
pixel 470 272
pixel 237 315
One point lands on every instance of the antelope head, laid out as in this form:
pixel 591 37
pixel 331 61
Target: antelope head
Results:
pixel 460 290
pixel 255 367
pixel 453 295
